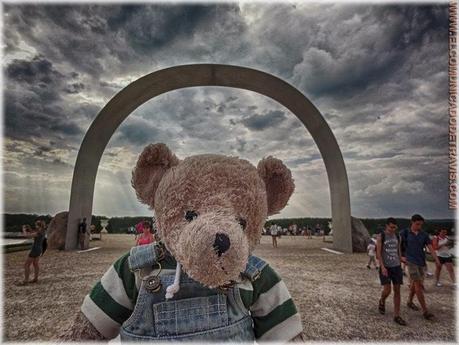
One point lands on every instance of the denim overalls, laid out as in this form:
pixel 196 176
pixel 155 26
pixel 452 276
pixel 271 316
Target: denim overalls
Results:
pixel 195 313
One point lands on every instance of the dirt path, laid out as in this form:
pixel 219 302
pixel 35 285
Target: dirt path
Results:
pixel 336 294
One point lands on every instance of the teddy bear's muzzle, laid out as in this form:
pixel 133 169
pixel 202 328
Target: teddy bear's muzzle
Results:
pixel 212 249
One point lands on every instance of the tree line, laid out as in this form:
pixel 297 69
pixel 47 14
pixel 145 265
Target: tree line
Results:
pixel 374 225
pixel 120 225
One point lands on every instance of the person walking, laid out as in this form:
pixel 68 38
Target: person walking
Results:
pixel 273 230
pixel 371 250
pixel 317 230
pixel 413 242
pixel 390 269
pixel 36 251
pixel 441 245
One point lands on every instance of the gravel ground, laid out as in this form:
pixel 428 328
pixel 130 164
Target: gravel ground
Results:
pixel 335 294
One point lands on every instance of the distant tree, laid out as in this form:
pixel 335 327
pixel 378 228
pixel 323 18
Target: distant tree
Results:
pixel 372 224
pixel 120 225
pixel 14 222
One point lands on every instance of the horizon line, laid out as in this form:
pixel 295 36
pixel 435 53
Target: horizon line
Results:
pixel 296 217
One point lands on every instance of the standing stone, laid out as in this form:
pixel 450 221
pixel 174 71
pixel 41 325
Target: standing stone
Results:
pixel 57 230
pixel 360 236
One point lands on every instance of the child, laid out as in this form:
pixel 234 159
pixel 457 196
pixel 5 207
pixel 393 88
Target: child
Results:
pixel 371 249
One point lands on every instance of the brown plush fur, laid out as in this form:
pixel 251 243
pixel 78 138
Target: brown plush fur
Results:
pixel 157 159
pixel 222 191
pixel 278 181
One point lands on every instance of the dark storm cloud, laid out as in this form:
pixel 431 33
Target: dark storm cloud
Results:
pixel 40 150
pixel 27 117
pixel 191 113
pixel 39 70
pixel 261 122
pixel 60 32
pixel 34 104
pixel 107 39
pixel 152 27
pixel 86 110
pixel 140 132
pixel 66 128
pixel 382 38
pixel 40 77
pixel 74 88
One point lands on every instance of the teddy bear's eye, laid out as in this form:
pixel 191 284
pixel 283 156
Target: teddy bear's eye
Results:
pixel 242 223
pixel 191 215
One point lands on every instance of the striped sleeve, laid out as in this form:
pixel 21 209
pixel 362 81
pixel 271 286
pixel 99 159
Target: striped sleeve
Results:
pixel 273 311
pixel 111 301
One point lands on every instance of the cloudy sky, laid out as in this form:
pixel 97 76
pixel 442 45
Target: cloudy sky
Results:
pixel 377 73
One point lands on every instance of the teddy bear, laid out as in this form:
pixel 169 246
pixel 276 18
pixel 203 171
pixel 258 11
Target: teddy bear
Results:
pixel 200 282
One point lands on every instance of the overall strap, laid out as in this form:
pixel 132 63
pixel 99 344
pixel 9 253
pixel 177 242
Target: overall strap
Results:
pixel 145 256
pixel 254 267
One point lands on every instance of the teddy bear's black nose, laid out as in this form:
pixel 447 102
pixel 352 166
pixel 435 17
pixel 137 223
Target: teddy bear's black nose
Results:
pixel 221 244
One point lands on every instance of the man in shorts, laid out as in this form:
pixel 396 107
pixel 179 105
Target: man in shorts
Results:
pixel 413 242
pixel 390 270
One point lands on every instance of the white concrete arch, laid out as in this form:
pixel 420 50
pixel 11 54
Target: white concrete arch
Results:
pixel 178 77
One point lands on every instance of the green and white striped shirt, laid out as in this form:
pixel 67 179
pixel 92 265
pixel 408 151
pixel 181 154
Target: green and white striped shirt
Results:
pixel 112 300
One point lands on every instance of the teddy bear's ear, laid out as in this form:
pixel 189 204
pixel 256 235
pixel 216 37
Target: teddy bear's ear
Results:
pixel 279 183
pixel 154 161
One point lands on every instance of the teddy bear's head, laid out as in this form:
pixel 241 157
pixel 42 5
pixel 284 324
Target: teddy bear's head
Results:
pixel 210 209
